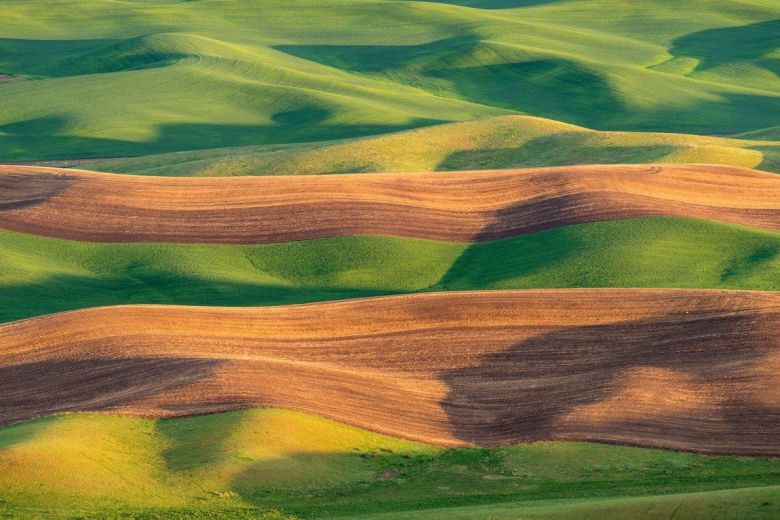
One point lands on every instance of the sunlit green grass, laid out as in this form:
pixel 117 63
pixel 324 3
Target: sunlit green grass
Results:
pixel 498 142
pixel 43 275
pixel 239 464
pixel 107 78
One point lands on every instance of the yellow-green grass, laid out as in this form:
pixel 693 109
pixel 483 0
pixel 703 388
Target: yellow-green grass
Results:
pixel 103 78
pixel 242 464
pixel 495 142
pixel 44 275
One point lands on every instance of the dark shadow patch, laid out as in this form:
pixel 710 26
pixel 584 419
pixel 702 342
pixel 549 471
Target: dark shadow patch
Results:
pixel 729 114
pixel 383 58
pixel 745 43
pixel 548 212
pixel 57 293
pixel 196 442
pixel 483 264
pixel 308 115
pixel 40 388
pixel 19 190
pixel 760 258
pixel 562 149
pixel 21 141
pixel 524 393
pixel 771 160
pixel 555 88
pixel 63 58
pixel 35 127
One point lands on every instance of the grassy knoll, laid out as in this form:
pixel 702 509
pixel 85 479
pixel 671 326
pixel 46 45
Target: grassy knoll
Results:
pixel 43 275
pixel 101 78
pixel 497 142
pixel 248 464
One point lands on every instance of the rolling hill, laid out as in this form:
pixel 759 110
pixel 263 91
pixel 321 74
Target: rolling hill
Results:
pixel 42 275
pixel 389 259
pixel 461 206
pixel 248 464
pixel 493 142
pixel 252 464
pixel 682 369
pixel 104 78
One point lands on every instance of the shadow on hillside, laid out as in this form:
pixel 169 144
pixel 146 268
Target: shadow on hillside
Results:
pixel 552 87
pixel 19 190
pixel 63 58
pixel 57 293
pixel 380 58
pixel 487 264
pixel 745 43
pixel 526 392
pixel 55 58
pixel 20 141
pixel 555 88
pixel 561 149
pixel 49 387
pixel 197 442
pixel 771 160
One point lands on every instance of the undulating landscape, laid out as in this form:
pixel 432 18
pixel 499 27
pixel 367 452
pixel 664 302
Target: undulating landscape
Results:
pixel 390 259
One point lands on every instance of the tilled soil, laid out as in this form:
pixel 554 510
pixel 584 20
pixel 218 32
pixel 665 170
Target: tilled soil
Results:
pixel 694 370
pixel 456 206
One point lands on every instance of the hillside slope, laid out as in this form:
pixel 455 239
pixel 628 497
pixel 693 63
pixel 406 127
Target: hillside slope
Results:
pixel 461 206
pixel 103 78
pixel 683 369
pixel 494 142
pixel 44 275
pixel 246 464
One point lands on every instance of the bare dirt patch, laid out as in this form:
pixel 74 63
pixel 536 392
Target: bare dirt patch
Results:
pixel 691 370
pixel 460 206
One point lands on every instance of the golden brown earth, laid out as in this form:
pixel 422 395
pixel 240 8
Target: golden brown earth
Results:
pixel 457 206
pixel 692 370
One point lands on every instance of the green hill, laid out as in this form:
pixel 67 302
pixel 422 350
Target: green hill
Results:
pixel 44 275
pixel 280 87
pixel 497 142
pixel 248 464
pixel 106 78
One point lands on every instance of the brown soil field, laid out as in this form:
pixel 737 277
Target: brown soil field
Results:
pixel 695 370
pixel 459 206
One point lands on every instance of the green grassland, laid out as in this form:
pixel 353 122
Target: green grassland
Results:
pixel 494 142
pixel 218 88
pixel 277 464
pixel 107 78
pixel 43 275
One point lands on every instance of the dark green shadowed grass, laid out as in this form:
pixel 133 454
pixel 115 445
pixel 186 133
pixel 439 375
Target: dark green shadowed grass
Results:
pixel 42 275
